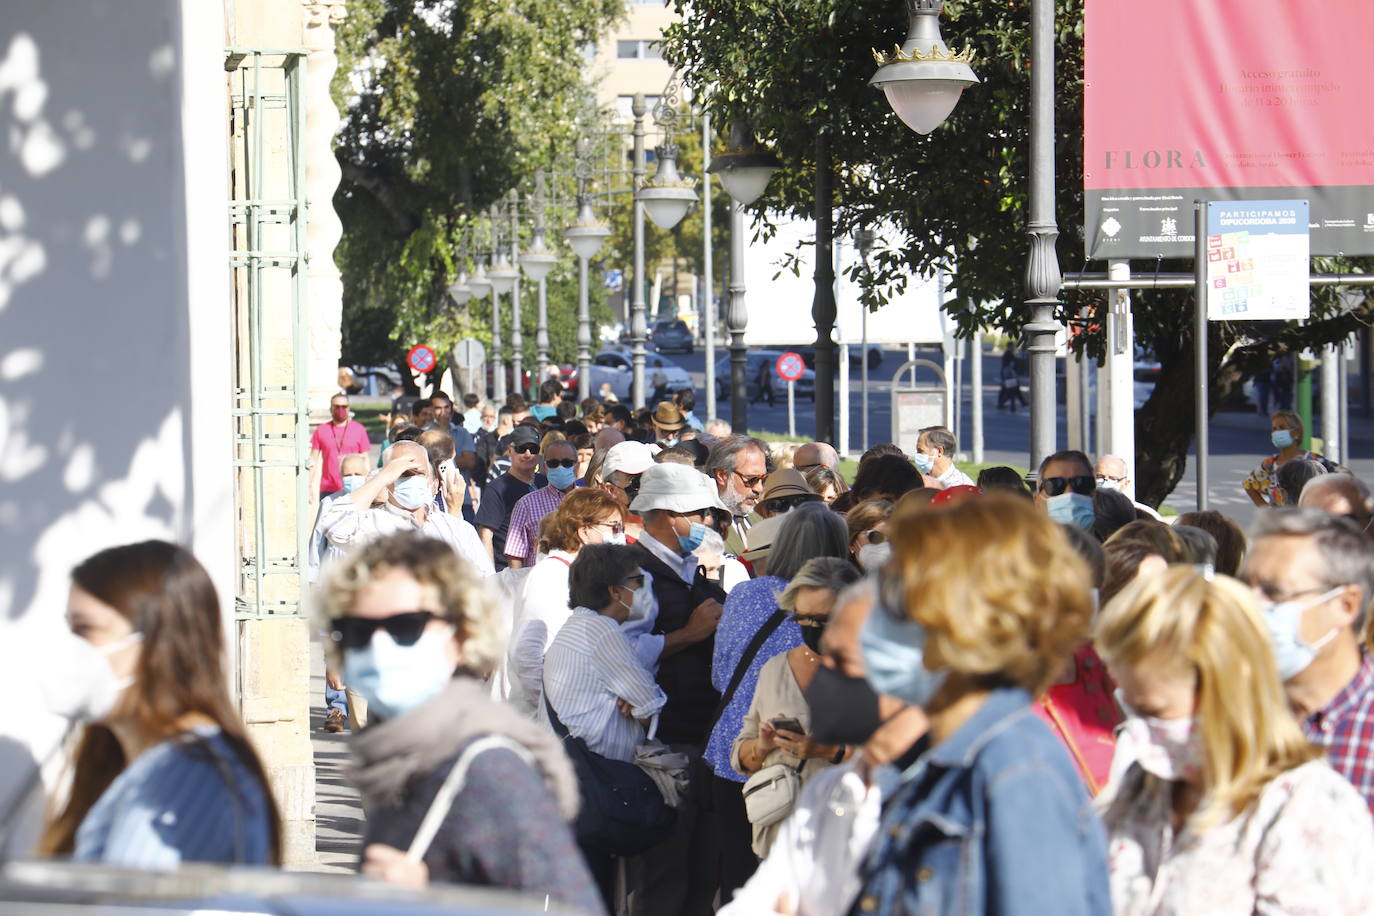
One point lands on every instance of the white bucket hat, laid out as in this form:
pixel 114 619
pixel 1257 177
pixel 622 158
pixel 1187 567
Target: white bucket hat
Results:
pixel 676 488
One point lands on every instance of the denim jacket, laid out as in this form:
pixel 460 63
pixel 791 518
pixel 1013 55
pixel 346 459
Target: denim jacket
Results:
pixel 994 820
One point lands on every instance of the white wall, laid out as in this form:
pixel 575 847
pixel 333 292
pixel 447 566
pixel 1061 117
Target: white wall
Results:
pixel 114 311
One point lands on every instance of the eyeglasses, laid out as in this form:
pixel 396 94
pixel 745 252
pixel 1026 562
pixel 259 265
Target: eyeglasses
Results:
pixel 616 527
pixel 808 620
pixel 1104 479
pixel 1364 521
pixel 635 582
pixel 874 536
pixel 1084 484
pixel 356 633
pixel 788 503
pixel 752 483
pixel 528 448
pixel 561 462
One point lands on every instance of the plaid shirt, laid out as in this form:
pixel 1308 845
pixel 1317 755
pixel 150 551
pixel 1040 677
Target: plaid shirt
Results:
pixel 522 541
pixel 1345 728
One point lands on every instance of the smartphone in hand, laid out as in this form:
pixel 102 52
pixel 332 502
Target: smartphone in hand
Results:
pixel 787 723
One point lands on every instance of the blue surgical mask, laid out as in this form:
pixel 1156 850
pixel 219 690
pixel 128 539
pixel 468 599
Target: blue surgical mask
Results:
pixel 669 441
pixel 413 492
pixel 924 463
pixel 562 478
pixel 694 537
pixel 352 482
pixel 395 679
pixel 1284 622
pixel 1071 509
pixel 893 656
pixel 1282 438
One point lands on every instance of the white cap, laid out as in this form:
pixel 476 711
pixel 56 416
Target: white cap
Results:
pixel 627 458
pixel 677 488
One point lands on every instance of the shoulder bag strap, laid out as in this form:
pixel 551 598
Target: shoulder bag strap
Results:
pixel 453 784
pixel 745 660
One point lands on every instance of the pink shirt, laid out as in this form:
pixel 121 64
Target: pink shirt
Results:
pixel 333 442
pixel 1084 715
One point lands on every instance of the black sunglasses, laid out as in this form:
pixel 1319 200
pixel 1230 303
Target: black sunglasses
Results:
pixel 529 448
pixel 808 620
pixel 1084 484
pixel 561 462
pixel 356 633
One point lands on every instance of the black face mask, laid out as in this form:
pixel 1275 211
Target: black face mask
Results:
pixel 811 637
pixel 844 710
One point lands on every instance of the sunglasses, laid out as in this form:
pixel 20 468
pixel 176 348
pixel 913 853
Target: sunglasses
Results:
pixel 354 633
pixel 808 620
pixel 528 448
pixel 1084 484
pixel 788 503
pixel 561 462
pixel 635 582
pixel 752 483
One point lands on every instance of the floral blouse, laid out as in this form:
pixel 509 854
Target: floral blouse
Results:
pixel 1306 846
pixel 1264 479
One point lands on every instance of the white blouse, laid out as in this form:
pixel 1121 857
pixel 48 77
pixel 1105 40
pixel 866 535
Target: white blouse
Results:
pixel 1306 846
pixel 540 613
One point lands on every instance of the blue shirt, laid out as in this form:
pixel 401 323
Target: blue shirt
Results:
pixel 188 799
pixel 993 820
pixel 746 610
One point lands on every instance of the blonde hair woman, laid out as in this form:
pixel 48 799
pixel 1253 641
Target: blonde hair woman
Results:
pixel 978 610
pixel 413 630
pixel 1217 803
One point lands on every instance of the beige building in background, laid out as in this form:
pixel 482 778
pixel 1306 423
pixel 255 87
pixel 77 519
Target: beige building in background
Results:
pixel 629 61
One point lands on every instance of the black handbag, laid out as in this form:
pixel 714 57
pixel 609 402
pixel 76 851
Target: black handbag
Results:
pixel 622 813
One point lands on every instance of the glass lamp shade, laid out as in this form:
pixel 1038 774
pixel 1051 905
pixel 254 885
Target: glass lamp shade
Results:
pixel 666 197
pixel 503 279
pixel 537 264
pixel 459 293
pixel 478 282
pixel 747 184
pixel 923 105
pixel 586 239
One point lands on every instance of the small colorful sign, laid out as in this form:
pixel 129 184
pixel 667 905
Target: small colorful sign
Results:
pixel 421 358
pixel 791 366
pixel 1257 260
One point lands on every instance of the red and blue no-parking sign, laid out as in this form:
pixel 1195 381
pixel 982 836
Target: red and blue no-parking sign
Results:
pixel 421 358
pixel 790 366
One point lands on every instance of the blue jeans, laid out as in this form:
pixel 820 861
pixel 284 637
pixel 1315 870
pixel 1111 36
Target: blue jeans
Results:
pixel 335 699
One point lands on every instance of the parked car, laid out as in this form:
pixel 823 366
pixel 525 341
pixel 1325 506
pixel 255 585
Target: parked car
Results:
pixel 806 385
pixel 614 366
pixel 672 334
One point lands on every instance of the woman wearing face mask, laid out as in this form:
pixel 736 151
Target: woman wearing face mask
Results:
pixel 416 631
pixel 868 545
pixel 812 868
pixel 979 608
pixel 1218 803
pixel 777 727
pixel 584 517
pixel 1286 433
pixel 167 775
pixel 752 613
pixel 592 680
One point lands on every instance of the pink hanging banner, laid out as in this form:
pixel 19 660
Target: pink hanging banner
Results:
pixel 1226 100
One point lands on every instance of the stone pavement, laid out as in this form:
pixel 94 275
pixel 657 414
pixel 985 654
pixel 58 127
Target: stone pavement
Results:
pixel 338 813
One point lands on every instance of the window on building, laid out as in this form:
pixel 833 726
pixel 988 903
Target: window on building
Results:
pixel 639 49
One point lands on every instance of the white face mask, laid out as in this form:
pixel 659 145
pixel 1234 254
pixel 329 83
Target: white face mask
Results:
pixel 110 649
pixel 871 556
pixel 1168 748
pixel 643 602
pixel 1106 483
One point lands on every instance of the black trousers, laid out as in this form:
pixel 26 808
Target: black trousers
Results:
pixel 679 877
pixel 736 834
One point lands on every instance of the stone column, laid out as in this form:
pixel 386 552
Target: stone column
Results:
pixel 324 286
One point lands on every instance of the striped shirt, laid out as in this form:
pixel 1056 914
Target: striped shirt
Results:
pixel 1345 729
pixel 188 799
pixel 522 540
pixel 589 666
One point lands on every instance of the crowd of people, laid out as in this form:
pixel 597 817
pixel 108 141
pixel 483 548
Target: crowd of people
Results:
pixel 628 661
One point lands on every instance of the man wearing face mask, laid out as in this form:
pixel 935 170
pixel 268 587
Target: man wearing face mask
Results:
pixel 408 483
pixel 1066 487
pixel 1112 474
pixel 1314 575
pixel 329 443
pixel 814 862
pixel 675 640
pixel 560 466
pixel 668 423
pixel 935 450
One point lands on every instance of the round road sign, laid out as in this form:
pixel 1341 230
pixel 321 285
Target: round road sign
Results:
pixel 421 358
pixel 790 366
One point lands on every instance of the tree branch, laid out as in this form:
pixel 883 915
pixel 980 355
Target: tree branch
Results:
pixel 377 187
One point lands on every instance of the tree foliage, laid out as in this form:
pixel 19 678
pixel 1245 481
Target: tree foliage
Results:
pixel 957 197
pixel 448 104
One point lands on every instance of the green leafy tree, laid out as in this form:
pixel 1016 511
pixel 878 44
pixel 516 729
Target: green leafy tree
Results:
pixel 447 105
pixel 957 197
